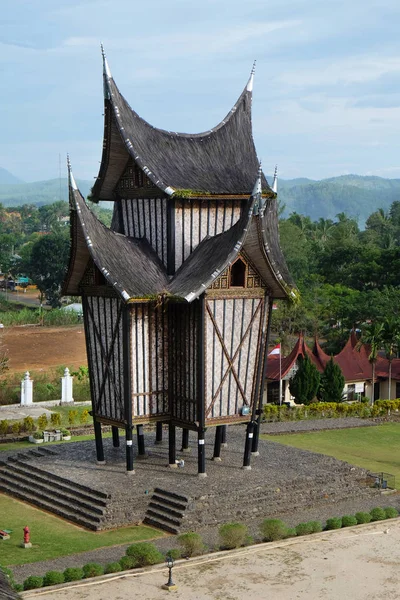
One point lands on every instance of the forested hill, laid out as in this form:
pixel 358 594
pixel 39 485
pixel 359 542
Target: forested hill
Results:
pixel 354 195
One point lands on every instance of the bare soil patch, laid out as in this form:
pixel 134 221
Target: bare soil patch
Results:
pixel 35 348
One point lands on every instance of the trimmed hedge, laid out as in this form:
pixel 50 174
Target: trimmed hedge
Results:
pixel 127 562
pixel 92 570
pixel 377 514
pixel 144 554
pixel 113 567
pixel 391 512
pixel 174 553
pixel 363 517
pixel 233 535
pixel 321 410
pixel 73 574
pixel 349 521
pixel 53 578
pixel 32 583
pixel 192 544
pixel 334 523
pixel 273 529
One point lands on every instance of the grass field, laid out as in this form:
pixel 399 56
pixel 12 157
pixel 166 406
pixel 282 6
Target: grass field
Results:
pixel 53 537
pixel 373 448
pixel 29 446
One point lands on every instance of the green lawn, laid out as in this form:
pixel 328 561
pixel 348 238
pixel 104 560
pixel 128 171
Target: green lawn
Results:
pixel 373 448
pixel 52 537
pixel 29 446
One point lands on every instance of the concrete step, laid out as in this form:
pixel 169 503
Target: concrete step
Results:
pixel 154 514
pixel 177 497
pixel 168 502
pixel 165 509
pixel 160 524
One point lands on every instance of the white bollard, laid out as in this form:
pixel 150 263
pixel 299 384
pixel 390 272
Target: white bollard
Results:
pixel 66 387
pixel 26 390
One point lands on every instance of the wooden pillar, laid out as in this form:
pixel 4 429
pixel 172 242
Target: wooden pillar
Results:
pixel 99 443
pixel 217 443
pixel 140 440
pixel 185 440
pixel 115 436
pixel 201 396
pixel 172 445
pixel 159 432
pixel 254 443
pixel 224 429
pixel 129 449
pixel 247 446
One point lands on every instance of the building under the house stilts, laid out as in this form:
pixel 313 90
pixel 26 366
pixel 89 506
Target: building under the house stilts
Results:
pixel 177 294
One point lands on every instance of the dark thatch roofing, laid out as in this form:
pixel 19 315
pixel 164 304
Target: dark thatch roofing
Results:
pixel 6 591
pixel 222 160
pixel 130 265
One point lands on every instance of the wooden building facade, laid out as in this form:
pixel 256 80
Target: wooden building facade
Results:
pixel 177 294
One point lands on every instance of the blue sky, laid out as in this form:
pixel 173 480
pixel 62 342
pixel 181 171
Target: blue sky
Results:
pixel 326 95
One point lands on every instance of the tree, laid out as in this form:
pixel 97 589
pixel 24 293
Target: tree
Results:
pixel 391 339
pixel 372 338
pixel 49 259
pixel 332 383
pixel 305 382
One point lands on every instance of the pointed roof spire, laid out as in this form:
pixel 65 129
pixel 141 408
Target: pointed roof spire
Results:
pixel 71 178
pixel 106 68
pixel 257 191
pixel 249 87
pixel 275 181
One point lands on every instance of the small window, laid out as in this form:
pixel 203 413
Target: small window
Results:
pixel 238 273
pixel 99 278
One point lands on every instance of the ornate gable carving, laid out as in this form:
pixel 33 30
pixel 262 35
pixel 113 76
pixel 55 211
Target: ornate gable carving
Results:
pixel 132 180
pixel 252 279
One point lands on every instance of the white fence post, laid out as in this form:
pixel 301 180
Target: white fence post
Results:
pixel 26 390
pixel 66 387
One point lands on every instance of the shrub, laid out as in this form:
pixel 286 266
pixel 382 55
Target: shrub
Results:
pixel 84 417
pixel 28 424
pixel 334 523
pixel 16 427
pixel 55 419
pixel 192 544
pixel 92 570
pixel 38 435
pixel 174 553
pixel 4 427
pixel 43 421
pixel 391 512
pixel 316 526
pixel 127 562
pixel 304 528
pixel 291 532
pixel 273 529
pixel 113 567
pixel 377 514
pixel 53 578
pixel 33 582
pixel 65 432
pixel 18 587
pixel 72 416
pixel 233 535
pixel 349 521
pixel 144 554
pixel 73 574
pixel 362 517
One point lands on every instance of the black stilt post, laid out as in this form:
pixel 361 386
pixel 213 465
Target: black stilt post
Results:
pixel 217 443
pixel 172 445
pixel 99 443
pixel 129 449
pixel 223 436
pixel 158 432
pixel 185 440
pixel 247 446
pixel 201 454
pixel 254 444
pixel 115 436
pixel 256 438
pixel 140 440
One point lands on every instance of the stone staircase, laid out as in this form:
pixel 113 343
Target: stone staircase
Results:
pixel 72 501
pixel 166 510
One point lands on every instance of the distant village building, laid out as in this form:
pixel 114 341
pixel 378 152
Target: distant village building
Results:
pixel 177 295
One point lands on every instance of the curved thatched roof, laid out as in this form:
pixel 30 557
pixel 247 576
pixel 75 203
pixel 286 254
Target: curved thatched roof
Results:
pixel 6 591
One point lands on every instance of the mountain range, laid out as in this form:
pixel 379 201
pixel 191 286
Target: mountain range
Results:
pixel 357 196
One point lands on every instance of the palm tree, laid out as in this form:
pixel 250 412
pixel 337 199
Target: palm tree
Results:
pixel 391 341
pixel 372 336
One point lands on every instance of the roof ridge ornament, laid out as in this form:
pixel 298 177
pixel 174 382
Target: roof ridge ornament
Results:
pixel 275 181
pixel 257 192
pixel 249 86
pixel 106 68
pixel 71 178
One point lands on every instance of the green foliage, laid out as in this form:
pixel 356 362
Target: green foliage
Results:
pixel 53 578
pixel 33 582
pixel 363 517
pixel 305 382
pixel 84 417
pixel 333 523
pixel 55 419
pixel 377 514
pixel 49 259
pixel 43 421
pixel 113 567
pixel 72 416
pixel 233 535
pixel 192 544
pixel 73 574
pixel 304 528
pixel 16 428
pixel 291 532
pixel 332 383
pixel 349 521
pixel 391 512
pixel 273 529
pixel 92 570
pixel 174 553
pixel 144 554
pixel 316 526
pixel 28 424
pixel 127 562
pixel 4 426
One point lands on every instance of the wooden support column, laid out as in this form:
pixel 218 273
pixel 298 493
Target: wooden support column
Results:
pixel 185 440
pixel 115 436
pixel 201 459
pixel 159 432
pixel 129 449
pixel 99 442
pixel 126 331
pixel 224 429
pixel 172 446
pixel 140 440
pixel 217 443
pixel 201 396
pixel 247 446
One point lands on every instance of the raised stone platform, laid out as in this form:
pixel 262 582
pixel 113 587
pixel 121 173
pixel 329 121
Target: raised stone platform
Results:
pixel 281 481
